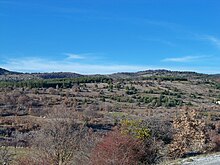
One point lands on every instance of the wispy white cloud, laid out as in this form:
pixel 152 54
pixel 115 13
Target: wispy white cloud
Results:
pixel 169 25
pixel 43 65
pixel 156 40
pixel 74 56
pixel 84 56
pixel 184 59
pixel 212 39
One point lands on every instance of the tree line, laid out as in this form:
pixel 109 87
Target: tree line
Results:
pixel 55 83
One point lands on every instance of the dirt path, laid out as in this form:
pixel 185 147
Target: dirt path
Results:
pixel 206 160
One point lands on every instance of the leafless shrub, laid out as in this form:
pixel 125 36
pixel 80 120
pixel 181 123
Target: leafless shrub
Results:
pixel 32 160
pixel 59 139
pixel 52 91
pixel 86 145
pixel 214 135
pixel 6 156
pixel 215 138
pixel 161 129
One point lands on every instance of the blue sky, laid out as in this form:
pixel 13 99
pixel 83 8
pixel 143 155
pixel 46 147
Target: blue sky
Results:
pixel 100 36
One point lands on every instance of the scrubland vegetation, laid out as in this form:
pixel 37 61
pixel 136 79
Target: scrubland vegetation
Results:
pixel 142 118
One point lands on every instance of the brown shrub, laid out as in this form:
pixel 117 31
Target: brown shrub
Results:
pixel 190 135
pixel 120 149
pixel 116 148
pixel 216 141
pixel 29 160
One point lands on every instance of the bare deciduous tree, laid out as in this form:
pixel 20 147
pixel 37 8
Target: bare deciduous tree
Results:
pixel 59 138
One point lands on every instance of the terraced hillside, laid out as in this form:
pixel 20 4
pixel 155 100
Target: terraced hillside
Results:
pixel 101 102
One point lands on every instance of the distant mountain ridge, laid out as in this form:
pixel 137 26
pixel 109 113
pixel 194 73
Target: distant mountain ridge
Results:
pixel 11 75
pixel 159 72
pixel 58 75
pixel 7 72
